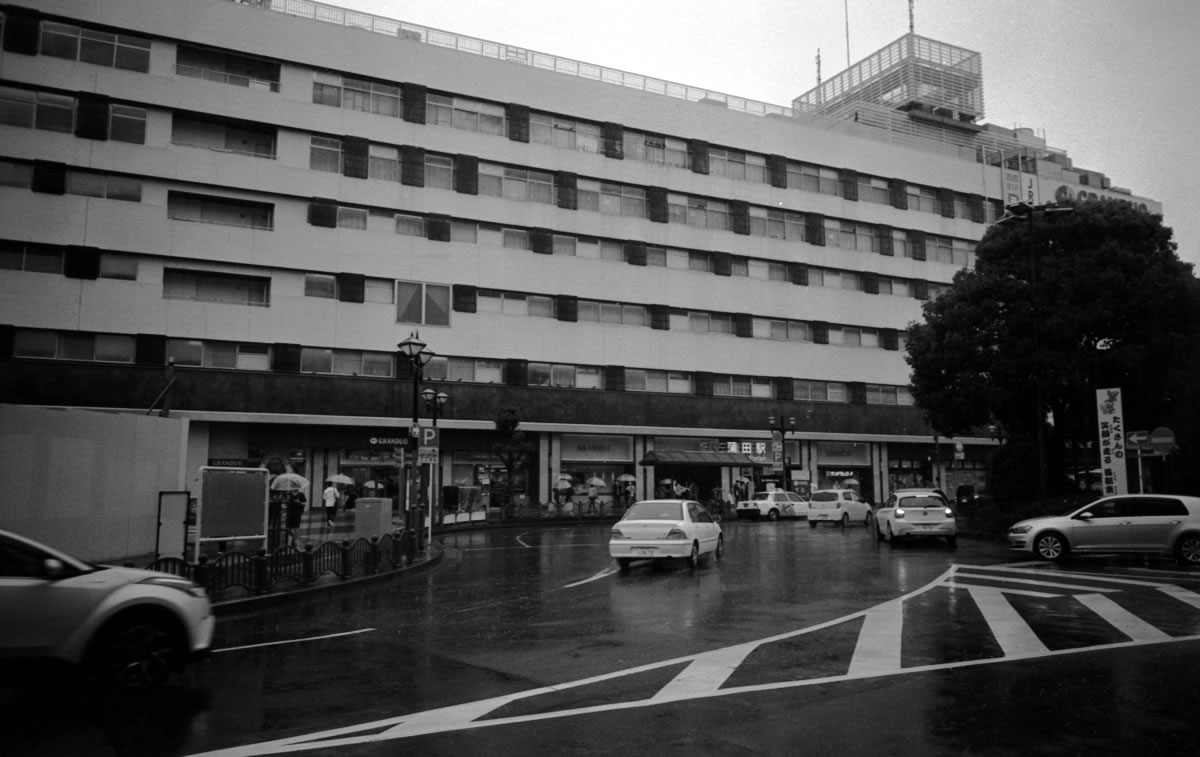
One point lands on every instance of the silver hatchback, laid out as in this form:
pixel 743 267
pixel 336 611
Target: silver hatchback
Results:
pixel 1137 523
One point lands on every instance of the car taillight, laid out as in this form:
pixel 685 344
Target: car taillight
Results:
pixel 949 513
pixel 616 534
pixel 899 513
pixel 676 533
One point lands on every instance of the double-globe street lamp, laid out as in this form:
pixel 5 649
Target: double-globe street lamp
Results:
pixel 418 356
pixel 1028 211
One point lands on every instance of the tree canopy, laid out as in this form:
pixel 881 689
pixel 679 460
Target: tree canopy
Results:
pixel 1065 304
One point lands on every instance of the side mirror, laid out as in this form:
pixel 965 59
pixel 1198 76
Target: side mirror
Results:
pixel 1084 516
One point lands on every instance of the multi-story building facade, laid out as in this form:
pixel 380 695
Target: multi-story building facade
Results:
pixel 236 211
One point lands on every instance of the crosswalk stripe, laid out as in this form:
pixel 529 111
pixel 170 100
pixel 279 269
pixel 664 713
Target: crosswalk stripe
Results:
pixel 1049 584
pixel 1121 619
pixel 878 647
pixel 706 673
pixel 1182 594
pixel 1012 633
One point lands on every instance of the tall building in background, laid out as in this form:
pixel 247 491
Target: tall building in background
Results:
pixel 235 212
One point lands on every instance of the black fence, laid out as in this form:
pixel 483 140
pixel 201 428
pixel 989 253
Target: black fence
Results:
pixel 287 567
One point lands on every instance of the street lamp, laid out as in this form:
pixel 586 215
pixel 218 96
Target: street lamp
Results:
pixel 434 402
pixel 417 354
pixel 779 436
pixel 1029 211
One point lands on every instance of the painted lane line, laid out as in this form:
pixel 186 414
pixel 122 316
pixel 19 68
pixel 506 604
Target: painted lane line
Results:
pixel 1121 619
pixel 293 641
pixel 878 649
pixel 960 578
pixel 1012 633
pixel 1064 575
pixel 611 570
pixel 706 673
pixel 1018 592
pixel 1182 594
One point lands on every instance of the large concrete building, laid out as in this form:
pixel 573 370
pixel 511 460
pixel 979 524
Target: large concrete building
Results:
pixel 235 211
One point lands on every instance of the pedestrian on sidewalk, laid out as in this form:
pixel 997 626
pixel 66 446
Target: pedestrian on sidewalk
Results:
pixel 331 497
pixel 296 502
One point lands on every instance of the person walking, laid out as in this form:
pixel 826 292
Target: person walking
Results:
pixel 593 492
pixel 331 496
pixel 296 502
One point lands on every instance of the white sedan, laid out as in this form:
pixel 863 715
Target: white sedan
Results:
pixel 666 529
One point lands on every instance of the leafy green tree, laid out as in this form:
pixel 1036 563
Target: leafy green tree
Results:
pixel 512 449
pixel 1060 307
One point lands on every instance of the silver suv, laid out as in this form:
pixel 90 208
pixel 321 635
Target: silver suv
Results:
pixel 126 628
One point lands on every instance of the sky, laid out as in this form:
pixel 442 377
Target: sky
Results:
pixel 1108 81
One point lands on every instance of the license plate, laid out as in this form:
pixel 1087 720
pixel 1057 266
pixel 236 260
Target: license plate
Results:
pixel 822 516
pixel 644 550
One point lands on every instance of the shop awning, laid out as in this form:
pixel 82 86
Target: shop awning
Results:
pixel 654 457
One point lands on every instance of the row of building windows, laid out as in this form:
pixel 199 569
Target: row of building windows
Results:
pixel 121 348
pixel 431 304
pixel 335 89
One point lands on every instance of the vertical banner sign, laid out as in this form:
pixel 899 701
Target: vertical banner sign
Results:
pixel 1111 421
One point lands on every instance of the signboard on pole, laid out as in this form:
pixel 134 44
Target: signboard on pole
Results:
pixel 1110 421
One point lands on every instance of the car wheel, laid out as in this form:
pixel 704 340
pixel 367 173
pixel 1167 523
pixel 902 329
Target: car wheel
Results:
pixel 773 514
pixel 952 540
pixel 867 519
pixel 891 537
pixel 694 558
pixel 1187 549
pixel 845 520
pixel 134 655
pixel 623 563
pixel 1050 546
pixel 812 523
pixel 719 552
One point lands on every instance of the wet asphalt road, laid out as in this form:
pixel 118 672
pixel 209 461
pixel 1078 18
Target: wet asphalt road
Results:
pixel 801 641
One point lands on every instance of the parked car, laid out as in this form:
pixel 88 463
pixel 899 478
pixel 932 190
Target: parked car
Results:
pixel 839 506
pixel 916 513
pixel 1139 523
pixel 772 505
pixel 666 529
pixel 125 628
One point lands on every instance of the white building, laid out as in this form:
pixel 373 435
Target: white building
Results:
pixel 238 210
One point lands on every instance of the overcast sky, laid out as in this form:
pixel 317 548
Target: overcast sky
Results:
pixel 1109 81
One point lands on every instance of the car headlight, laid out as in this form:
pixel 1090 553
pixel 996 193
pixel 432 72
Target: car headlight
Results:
pixel 176 582
pixel 1020 529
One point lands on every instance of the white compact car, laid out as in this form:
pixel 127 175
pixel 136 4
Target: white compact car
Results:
pixel 666 529
pixel 126 628
pixel 772 505
pixel 1133 523
pixel 840 507
pixel 916 513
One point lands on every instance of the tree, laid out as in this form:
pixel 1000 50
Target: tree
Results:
pixel 1060 307
pixel 512 449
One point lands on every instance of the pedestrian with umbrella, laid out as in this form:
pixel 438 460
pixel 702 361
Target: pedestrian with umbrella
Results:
pixel 292 485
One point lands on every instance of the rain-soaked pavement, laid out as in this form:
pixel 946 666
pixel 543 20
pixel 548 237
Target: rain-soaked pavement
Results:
pixel 800 641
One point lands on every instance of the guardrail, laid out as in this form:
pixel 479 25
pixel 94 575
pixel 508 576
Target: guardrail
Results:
pixel 286 567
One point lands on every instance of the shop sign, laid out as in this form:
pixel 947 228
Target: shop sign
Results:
pixel 388 441
pixel 597 448
pixel 843 453
pixel 229 462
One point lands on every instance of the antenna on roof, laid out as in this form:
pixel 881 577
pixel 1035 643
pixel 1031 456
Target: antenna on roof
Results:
pixel 846 9
pixel 911 25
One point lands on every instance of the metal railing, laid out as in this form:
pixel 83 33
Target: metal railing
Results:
pixel 264 573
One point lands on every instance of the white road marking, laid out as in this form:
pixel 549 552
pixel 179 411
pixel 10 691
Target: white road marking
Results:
pixel 707 671
pixel 1012 633
pixel 1121 619
pixel 610 570
pixel 878 648
pixel 962 578
pixel 293 641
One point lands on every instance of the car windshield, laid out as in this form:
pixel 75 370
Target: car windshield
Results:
pixel 655 511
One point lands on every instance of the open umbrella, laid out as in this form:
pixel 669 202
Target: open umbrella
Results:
pixel 338 478
pixel 667 481
pixel 597 481
pixel 627 477
pixel 289 482
pixel 563 483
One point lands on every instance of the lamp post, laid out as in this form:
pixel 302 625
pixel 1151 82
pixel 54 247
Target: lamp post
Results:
pixel 418 356
pixel 779 434
pixel 434 402
pixel 1029 211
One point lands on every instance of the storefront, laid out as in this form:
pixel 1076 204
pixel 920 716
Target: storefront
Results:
pixel 845 465
pixel 704 469
pixel 594 464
